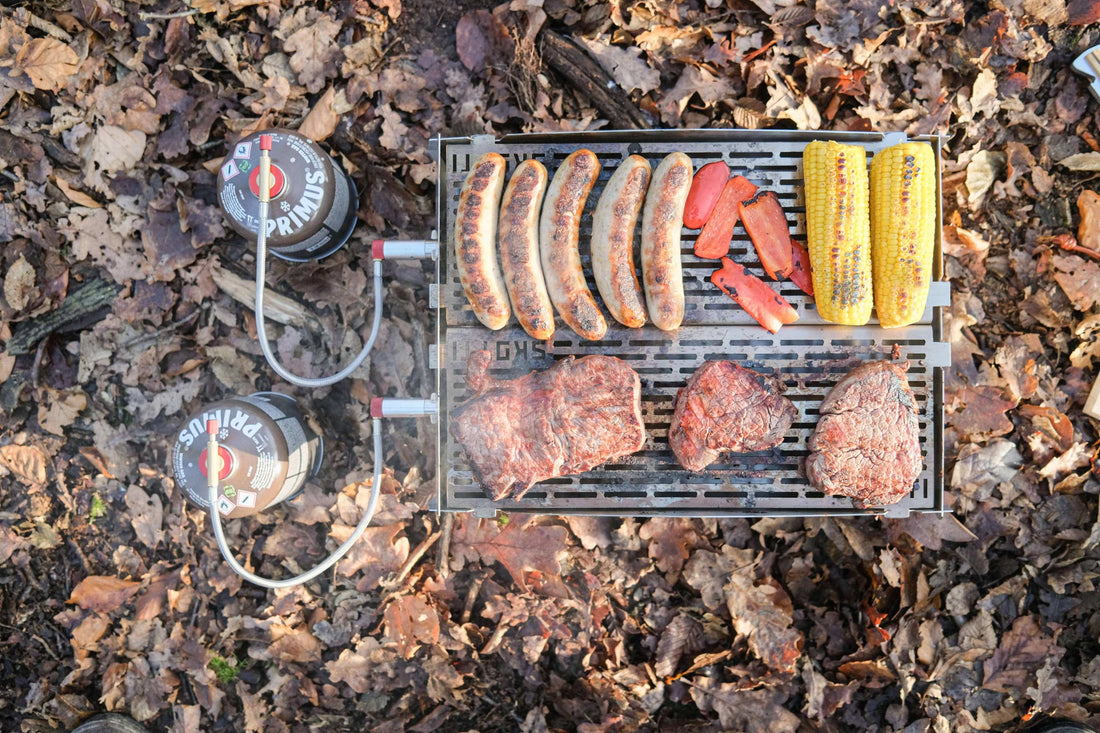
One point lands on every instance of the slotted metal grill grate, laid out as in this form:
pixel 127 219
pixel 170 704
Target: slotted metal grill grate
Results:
pixel 809 356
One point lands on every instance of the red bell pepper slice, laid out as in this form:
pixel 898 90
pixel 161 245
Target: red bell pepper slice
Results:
pixel 713 243
pixel 706 186
pixel 800 272
pixel 767 226
pixel 768 307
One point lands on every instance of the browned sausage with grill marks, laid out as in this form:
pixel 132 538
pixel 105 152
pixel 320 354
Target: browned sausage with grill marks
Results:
pixel 475 241
pixel 661 223
pixel 559 238
pixel 519 249
pixel 613 241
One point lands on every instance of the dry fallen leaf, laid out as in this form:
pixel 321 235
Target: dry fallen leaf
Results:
pixel 593 532
pixel 295 645
pixel 44 537
pixel 313 52
pixel 103 593
pixel 980 469
pixel 28 462
pixel 1088 331
pixel 93 234
pixel 482 40
pixel 682 636
pixel 410 620
pixel 709 572
pixel 967 246
pixel 1016 359
pixel 984 168
pixel 745 711
pixel 90 630
pixel 355 667
pixel 111 150
pixel 232 368
pixel 7 361
pixel 1088 232
pixel 932 530
pixel 9 543
pixel 321 121
pixel 1077 456
pixel 983 97
pixel 1022 650
pixel 520 548
pixel 1079 279
pixel 48 62
pixel 19 284
pixel 626 65
pixel 57 409
pixel 1082 162
pixel 146 516
pixel 378 553
pixel 979 412
pixel 77 197
pixel 762 611
pixel 670 541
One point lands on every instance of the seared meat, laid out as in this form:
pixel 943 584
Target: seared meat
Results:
pixel 867 442
pixel 725 407
pixel 577 414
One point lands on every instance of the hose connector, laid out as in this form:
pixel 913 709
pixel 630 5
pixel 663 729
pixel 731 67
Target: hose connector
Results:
pixel 412 249
pixel 403 407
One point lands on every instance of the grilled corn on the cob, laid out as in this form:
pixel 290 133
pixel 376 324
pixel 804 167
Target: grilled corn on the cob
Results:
pixel 903 231
pixel 838 230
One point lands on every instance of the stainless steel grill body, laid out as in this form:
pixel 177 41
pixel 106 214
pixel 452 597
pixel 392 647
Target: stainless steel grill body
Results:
pixel 809 356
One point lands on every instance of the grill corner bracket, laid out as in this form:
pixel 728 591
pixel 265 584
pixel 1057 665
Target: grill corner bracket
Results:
pixel 896 511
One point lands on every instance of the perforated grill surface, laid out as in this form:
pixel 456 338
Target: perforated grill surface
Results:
pixel 809 357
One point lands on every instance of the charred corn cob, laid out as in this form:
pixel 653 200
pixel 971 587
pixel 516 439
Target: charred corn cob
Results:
pixel 838 230
pixel 903 231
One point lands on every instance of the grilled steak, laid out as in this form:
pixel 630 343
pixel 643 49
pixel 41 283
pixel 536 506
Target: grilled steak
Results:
pixel 577 414
pixel 725 407
pixel 867 442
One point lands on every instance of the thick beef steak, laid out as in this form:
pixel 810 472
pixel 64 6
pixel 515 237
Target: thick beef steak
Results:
pixel 867 442
pixel 577 414
pixel 725 407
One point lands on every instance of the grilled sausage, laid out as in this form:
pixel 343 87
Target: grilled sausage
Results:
pixel 613 241
pixel 559 237
pixel 519 249
pixel 475 241
pixel 661 223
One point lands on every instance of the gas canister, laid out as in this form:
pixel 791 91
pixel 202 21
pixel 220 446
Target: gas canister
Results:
pixel 266 453
pixel 313 201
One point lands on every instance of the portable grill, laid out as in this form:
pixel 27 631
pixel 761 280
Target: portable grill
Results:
pixel 810 356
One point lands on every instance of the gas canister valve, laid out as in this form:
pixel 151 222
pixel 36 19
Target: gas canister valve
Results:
pixel 415 249
pixel 404 407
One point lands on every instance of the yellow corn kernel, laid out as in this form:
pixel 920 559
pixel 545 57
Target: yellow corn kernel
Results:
pixel 838 230
pixel 903 231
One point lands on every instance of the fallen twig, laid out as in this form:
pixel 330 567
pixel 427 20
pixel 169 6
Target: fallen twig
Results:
pixel 48 28
pixel 413 559
pixel 442 558
pixel 471 597
pixel 89 298
pixel 276 307
pixel 169 16
pixel 591 80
